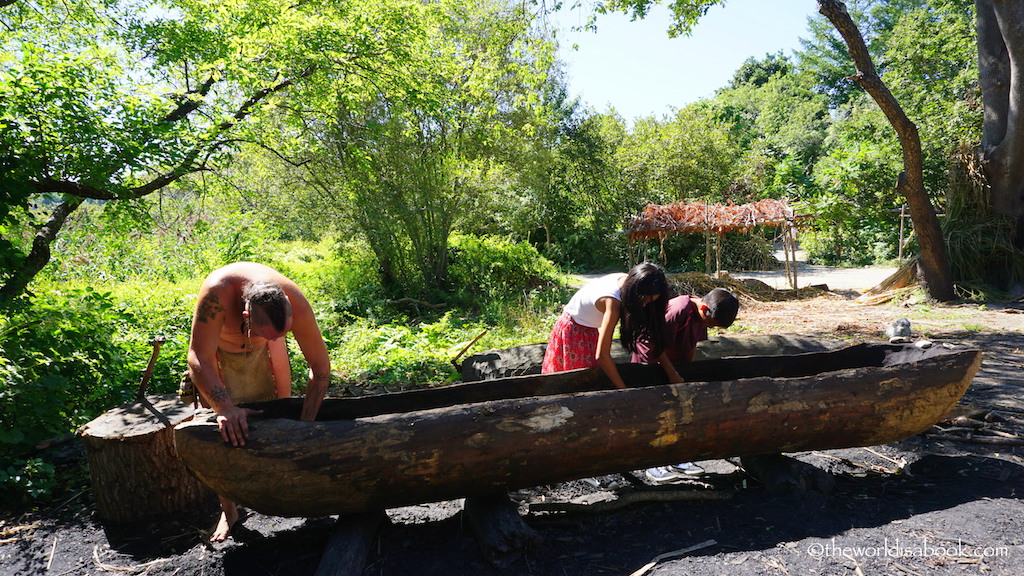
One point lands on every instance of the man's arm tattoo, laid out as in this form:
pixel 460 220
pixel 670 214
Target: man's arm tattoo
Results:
pixel 208 308
pixel 219 394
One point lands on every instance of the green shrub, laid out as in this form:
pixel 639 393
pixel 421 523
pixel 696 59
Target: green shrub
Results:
pixel 98 245
pixel 60 366
pixel 399 356
pixel 151 309
pixel 27 480
pixel 585 250
pixel 847 247
pixel 496 268
pixel 338 277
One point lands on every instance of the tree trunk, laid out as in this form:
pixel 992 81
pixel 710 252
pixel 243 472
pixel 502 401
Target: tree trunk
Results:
pixel 1000 28
pixel 39 256
pixel 933 264
pixel 135 471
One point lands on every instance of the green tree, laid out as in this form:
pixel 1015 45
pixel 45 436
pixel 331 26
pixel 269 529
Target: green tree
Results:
pixel 853 199
pixel 825 56
pixel 779 121
pixel 689 155
pixel 757 73
pixel 933 265
pixel 932 67
pixel 568 182
pixel 112 100
pixel 404 157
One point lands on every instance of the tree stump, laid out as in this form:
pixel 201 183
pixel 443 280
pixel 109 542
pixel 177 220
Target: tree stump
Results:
pixel 135 472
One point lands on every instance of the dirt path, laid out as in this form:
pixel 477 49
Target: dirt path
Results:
pixel 924 506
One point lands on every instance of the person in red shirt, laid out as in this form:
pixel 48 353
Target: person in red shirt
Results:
pixel 687 319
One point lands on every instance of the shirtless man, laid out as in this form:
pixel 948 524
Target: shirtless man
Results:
pixel 238 351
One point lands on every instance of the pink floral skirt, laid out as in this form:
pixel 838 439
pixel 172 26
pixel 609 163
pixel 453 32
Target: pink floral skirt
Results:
pixel 571 346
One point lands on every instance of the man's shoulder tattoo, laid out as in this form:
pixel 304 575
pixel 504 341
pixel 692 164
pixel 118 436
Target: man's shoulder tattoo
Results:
pixel 208 309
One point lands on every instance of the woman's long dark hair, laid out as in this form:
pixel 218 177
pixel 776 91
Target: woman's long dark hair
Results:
pixel 641 323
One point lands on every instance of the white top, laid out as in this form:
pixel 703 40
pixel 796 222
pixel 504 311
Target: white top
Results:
pixel 583 304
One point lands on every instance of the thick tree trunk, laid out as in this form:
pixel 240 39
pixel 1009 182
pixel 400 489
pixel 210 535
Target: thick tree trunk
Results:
pixel 1000 28
pixel 135 471
pixel 933 265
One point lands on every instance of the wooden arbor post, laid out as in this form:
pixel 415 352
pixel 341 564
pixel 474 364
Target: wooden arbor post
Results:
pixel 789 250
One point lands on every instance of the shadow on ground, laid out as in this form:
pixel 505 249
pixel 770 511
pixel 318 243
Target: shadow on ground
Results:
pixel 621 542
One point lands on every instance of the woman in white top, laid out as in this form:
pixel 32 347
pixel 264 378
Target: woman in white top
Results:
pixel 582 336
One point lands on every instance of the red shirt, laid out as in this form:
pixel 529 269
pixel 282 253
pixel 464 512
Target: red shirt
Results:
pixel 683 329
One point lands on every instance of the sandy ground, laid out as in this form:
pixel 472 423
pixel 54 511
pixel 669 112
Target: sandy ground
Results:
pixel 943 503
pixel 859 279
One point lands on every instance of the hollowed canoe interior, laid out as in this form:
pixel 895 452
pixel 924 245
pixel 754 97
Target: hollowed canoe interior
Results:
pixel 593 379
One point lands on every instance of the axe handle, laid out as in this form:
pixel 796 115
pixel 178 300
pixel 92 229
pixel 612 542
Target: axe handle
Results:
pixel 147 374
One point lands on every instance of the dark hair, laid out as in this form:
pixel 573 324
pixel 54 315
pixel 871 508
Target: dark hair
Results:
pixel 722 306
pixel 270 298
pixel 639 322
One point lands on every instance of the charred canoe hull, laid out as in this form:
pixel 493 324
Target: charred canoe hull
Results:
pixel 467 439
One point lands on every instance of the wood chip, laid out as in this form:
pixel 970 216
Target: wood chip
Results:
pixel 674 554
pixel 976 439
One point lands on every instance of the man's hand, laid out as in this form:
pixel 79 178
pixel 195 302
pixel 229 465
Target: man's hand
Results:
pixel 233 424
pixel 315 391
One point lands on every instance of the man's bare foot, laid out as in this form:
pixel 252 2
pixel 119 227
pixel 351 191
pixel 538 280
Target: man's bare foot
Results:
pixel 228 517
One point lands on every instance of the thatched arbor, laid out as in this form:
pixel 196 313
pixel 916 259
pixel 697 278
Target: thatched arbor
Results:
pixel 661 220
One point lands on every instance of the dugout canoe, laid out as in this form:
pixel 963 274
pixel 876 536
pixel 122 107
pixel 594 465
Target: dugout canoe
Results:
pixel 473 438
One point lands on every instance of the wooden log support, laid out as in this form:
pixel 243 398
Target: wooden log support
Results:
pixel 135 472
pixel 781 473
pixel 500 531
pixel 349 544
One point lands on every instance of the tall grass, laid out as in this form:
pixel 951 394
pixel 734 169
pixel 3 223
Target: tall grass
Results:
pixel 982 258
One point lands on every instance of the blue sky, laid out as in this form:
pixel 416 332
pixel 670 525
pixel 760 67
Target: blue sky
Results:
pixel 638 69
